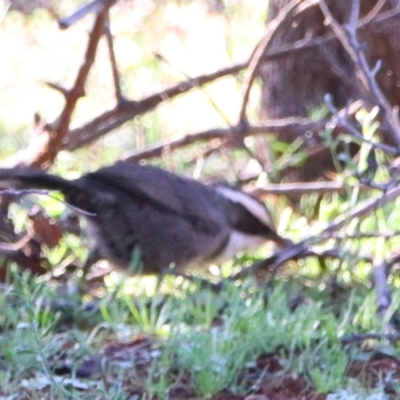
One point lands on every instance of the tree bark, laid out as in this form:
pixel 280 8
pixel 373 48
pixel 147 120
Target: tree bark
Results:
pixel 297 83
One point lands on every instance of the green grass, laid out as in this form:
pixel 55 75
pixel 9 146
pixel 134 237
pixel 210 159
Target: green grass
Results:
pixel 206 341
pixel 155 338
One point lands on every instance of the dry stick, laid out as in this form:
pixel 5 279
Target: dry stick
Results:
pixel 130 109
pixel 348 38
pixel 293 124
pixel 290 253
pixel 10 249
pixel 112 119
pixel 359 211
pixel 280 257
pixel 342 120
pixel 205 93
pixel 339 31
pixel 298 188
pixel 379 277
pixel 358 236
pixel 383 300
pixel 362 337
pixel 337 67
pixel 291 49
pixel 296 126
pixel 113 60
pixel 121 113
pixel 375 11
pixel 42 151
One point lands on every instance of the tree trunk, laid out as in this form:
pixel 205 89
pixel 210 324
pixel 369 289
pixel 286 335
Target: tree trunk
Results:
pixel 297 83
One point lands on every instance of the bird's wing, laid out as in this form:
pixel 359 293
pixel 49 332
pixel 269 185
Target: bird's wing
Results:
pixel 179 195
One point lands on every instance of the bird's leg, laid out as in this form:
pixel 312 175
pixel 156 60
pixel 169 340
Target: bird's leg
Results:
pixel 91 258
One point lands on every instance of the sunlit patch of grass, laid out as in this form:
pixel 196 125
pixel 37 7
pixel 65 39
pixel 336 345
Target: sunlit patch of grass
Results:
pixel 204 336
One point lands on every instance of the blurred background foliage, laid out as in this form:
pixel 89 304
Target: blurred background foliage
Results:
pixel 157 44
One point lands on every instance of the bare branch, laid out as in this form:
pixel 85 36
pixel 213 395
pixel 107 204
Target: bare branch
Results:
pixel 380 274
pixel 342 120
pixel 349 39
pixel 362 337
pixel 58 88
pixel 297 126
pixel 366 235
pixel 128 110
pixel 289 253
pixel 303 249
pixel 120 114
pixel 42 152
pixel 36 152
pixel 293 126
pixel 381 21
pixel 9 249
pixel 114 69
pixel 361 210
pixel 374 12
pixel 354 13
pixel 299 188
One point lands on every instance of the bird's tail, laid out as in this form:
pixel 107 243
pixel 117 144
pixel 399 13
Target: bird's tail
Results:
pixel 30 178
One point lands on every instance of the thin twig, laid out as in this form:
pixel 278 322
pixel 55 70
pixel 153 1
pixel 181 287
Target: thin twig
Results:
pixel 93 7
pixel 294 126
pixel 42 151
pixel 362 235
pixel 128 110
pixel 361 210
pixel 201 88
pixel 349 39
pixel 297 126
pixel 302 249
pixel 362 337
pixel 290 253
pixel 113 60
pixel 342 120
pixel 299 188
pixel 374 12
pixel 113 118
pixel 380 280
pixel 8 249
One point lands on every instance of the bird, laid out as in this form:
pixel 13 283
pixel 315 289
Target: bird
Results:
pixel 171 220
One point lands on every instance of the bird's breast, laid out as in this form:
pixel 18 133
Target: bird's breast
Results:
pixel 239 241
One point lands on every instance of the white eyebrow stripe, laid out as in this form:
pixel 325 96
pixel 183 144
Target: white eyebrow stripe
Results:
pixel 252 205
